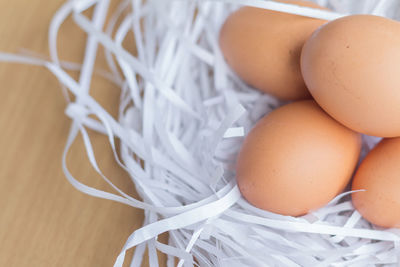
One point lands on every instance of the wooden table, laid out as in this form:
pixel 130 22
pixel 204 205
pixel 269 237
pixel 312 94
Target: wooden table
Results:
pixel 44 221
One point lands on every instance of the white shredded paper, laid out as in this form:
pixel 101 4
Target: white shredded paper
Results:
pixel 182 117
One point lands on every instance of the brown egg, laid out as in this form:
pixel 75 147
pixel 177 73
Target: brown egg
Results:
pixel 263 47
pixel 379 175
pixel 296 159
pixel 351 67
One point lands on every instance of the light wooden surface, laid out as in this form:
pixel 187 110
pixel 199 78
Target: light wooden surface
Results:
pixel 44 221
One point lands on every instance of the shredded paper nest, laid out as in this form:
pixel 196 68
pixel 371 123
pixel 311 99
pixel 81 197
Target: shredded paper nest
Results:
pixel 182 118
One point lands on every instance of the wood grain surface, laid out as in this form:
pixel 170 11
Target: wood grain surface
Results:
pixel 44 221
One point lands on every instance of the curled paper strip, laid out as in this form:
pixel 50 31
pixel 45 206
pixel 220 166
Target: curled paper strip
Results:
pixel 181 120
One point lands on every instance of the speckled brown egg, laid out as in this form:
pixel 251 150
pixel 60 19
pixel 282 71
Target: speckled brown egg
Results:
pixel 296 159
pixel 351 67
pixel 379 175
pixel 263 47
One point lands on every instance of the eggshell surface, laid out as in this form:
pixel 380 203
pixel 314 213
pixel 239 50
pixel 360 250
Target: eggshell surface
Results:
pixel 263 47
pixel 351 67
pixel 296 159
pixel 379 175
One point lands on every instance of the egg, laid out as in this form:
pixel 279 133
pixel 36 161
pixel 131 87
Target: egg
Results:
pixel 379 176
pixel 263 47
pixel 351 67
pixel 296 159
